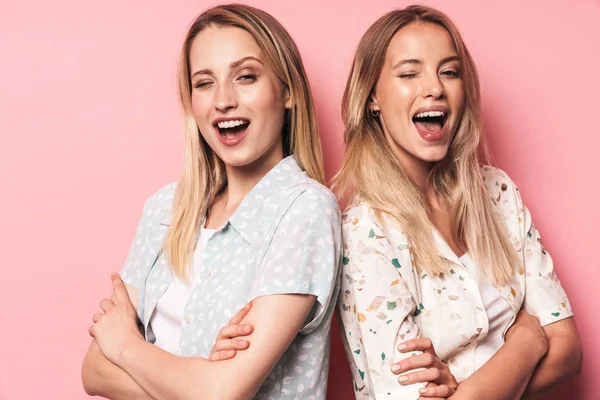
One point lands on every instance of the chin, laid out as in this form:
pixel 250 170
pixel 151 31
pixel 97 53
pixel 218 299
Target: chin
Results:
pixel 433 155
pixel 237 160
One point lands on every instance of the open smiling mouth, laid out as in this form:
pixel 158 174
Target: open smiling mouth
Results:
pixel 233 128
pixel 430 122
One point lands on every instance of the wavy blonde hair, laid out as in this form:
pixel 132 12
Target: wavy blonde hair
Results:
pixel 371 171
pixel 204 173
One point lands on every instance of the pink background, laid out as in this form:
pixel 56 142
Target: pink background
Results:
pixel 90 127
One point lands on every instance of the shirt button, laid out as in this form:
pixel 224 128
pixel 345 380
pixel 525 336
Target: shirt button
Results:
pixel 188 319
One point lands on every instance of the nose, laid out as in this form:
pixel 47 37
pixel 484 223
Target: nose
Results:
pixel 225 98
pixel 432 86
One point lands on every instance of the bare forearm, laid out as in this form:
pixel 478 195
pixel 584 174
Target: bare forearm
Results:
pixel 504 377
pixel 103 378
pixel 177 377
pixel 563 361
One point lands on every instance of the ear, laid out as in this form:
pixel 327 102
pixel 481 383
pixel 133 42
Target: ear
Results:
pixel 373 104
pixel 288 99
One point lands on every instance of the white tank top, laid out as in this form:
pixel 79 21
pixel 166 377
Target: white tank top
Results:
pixel 498 311
pixel 167 318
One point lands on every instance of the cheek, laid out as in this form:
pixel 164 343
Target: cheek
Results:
pixel 397 97
pixel 266 104
pixel 266 99
pixel 201 105
pixel 456 96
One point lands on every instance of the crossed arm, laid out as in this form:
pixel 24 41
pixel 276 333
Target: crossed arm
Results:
pixel 534 367
pixel 121 364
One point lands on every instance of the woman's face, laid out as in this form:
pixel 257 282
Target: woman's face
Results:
pixel 237 101
pixel 419 93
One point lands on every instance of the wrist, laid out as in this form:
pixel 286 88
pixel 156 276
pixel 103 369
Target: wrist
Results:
pixel 125 351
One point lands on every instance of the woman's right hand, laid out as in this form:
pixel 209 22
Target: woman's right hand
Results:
pixel 441 382
pixel 528 331
pixel 227 343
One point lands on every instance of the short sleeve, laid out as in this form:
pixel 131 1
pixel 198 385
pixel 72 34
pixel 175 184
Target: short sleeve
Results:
pixel 304 255
pixel 544 295
pixel 138 259
pixel 377 310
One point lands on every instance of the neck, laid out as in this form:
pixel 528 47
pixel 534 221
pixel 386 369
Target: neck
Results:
pixel 418 172
pixel 241 180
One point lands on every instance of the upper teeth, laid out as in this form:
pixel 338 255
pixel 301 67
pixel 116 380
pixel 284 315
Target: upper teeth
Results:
pixel 430 114
pixel 230 124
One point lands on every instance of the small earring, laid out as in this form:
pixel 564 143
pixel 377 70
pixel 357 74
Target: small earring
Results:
pixel 375 113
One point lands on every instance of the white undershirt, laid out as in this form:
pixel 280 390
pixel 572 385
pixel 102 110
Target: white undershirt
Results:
pixel 167 318
pixel 498 311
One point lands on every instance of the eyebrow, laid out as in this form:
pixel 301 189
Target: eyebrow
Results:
pixel 235 64
pixel 415 61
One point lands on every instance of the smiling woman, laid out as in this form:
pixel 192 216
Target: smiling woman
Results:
pixel 248 226
pixel 445 280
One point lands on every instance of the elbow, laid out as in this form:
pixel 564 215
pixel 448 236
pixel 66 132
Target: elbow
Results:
pixel 89 379
pixel 577 360
pixel 88 383
pixel 571 359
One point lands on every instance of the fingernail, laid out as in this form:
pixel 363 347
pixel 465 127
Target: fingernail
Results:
pixel 423 390
pixel 247 328
pixel 395 368
pixel 403 379
pixel 401 347
pixel 243 342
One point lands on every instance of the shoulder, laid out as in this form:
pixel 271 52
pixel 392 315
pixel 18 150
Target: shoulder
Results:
pixel 506 198
pixel 159 205
pixel 496 180
pixel 359 216
pixel 315 199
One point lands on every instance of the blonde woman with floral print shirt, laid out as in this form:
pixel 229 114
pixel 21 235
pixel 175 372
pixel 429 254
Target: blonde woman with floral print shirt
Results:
pixel 446 289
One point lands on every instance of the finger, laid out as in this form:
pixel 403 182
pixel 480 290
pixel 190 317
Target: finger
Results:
pixel 222 355
pixel 106 305
pixel 441 391
pixel 230 344
pixel 91 330
pixel 120 291
pixel 237 318
pixel 97 317
pixel 424 360
pixel 232 331
pixel 427 375
pixel 417 344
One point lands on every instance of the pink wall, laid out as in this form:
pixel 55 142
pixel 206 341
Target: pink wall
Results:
pixel 90 127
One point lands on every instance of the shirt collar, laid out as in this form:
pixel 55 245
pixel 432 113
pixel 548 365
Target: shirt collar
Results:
pixel 443 249
pixel 245 220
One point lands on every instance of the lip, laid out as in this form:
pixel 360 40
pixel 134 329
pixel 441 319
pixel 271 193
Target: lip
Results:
pixel 443 109
pixel 230 142
pixel 225 119
pixel 428 136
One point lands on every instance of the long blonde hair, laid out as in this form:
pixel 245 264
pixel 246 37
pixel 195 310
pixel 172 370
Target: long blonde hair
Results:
pixel 370 169
pixel 204 173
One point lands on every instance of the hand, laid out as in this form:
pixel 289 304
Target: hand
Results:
pixel 117 326
pixel 430 386
pixel 527 330
pixel 227 344
pixel 435 370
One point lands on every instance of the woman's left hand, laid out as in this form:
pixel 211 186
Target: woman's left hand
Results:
pixel 434 371
pixel 117 326
pixel 434 392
